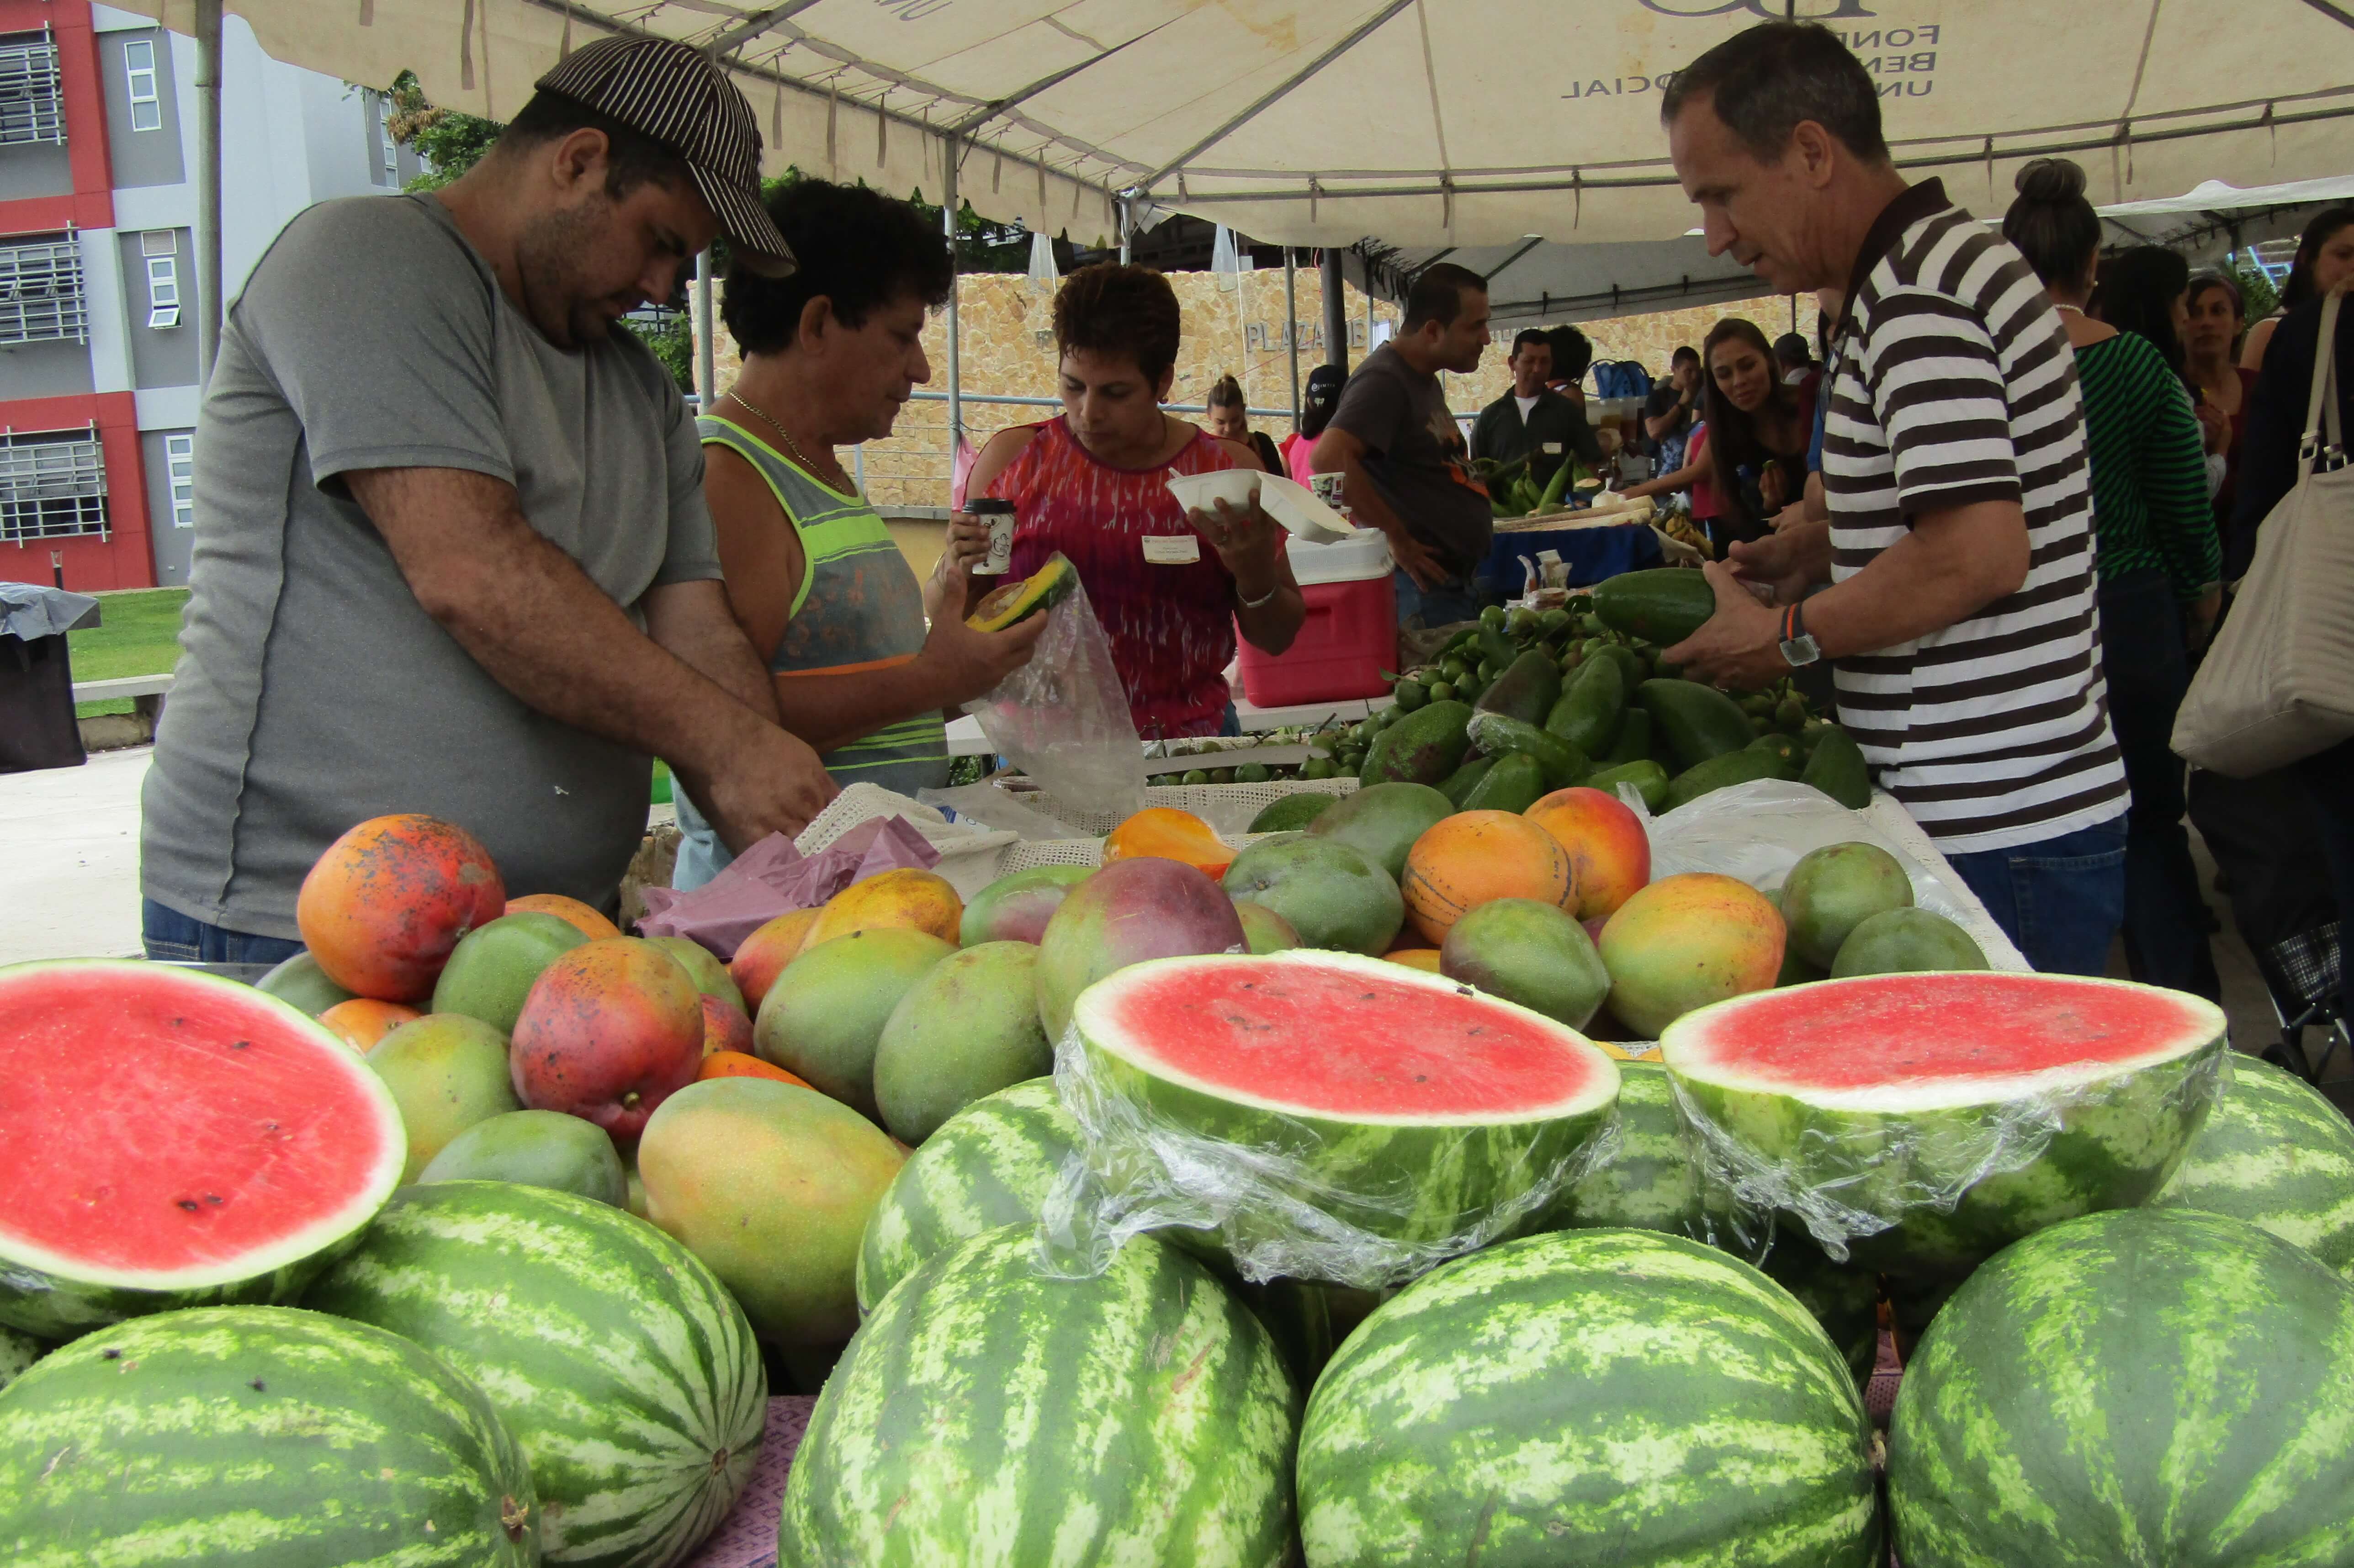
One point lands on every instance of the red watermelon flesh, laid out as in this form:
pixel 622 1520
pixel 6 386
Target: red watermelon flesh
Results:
pixel 1416 1117
pixel 170 1138
pixel 1370 1044
pixel 1929 1120
pixel 1926 1040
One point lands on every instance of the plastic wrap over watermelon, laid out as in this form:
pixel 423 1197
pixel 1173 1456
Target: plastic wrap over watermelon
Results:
pixel 1318 1116
pixel 1922 1122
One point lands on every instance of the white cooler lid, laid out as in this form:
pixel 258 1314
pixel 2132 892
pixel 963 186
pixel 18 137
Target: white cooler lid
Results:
pixel 1364 557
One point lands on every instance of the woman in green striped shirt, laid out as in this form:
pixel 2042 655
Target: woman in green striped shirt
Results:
pixel 2155 548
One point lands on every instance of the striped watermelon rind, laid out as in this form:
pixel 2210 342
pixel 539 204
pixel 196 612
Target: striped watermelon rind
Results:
pixel 2276 1153
pixel 57 1296
pixel 991 1164
pixel 2142 1385
pixel 991 1410
pixel 17 1352
pixel 1363 1202
pixel 1588 1396
pixel 621 1364
pixel 257 1437
pixel 1935 1176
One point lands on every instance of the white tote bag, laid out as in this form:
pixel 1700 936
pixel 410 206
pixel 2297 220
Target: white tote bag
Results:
pixel 2278 684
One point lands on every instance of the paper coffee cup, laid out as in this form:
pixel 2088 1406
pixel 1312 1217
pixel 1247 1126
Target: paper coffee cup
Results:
pixel 999 516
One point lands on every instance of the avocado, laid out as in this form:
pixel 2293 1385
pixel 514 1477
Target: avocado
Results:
pixel 1697 722
pixel 1514 784
pixel 1526 690
pixel 1587 716
pixel 1743 766
pixel 1649 779
pixel 1461 782
pixel 1423 747
pixel 1836 766
pixel 1633 743
pixel 1499 735
pixel 1016 602
pixel 1664 605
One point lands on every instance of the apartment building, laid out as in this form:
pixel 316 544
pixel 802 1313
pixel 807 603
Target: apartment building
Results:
pixel 98 271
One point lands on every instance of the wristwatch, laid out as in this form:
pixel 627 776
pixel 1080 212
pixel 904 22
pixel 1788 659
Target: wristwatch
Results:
pixel 1800 649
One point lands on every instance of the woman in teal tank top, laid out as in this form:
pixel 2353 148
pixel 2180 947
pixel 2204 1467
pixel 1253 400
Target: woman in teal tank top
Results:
pixel 831 354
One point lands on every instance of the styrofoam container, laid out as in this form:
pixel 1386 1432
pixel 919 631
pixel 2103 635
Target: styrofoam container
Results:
pixel 1238 487
pixel 1363 557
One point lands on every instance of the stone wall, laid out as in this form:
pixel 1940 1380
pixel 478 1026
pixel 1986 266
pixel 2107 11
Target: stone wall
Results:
pixel 1233 324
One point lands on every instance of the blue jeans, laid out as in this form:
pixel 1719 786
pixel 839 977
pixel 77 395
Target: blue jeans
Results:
pixel 2149 669
pixel 168 934
pixel 1451 601
pixel 2060 900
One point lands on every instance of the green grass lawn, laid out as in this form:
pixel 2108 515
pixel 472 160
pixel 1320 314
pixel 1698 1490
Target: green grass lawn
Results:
pixel 138 634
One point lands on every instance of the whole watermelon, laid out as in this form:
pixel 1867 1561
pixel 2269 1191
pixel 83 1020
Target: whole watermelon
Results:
pixel 991 1412
pixel 2149 1388
pixel 257 1437
pixel 1614 1396
pixel 991 1164
pixel 2275 1153
pixel 621 1364
pixel 1652 1183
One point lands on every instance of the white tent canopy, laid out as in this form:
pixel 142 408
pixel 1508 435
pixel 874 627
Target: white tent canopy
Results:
pixel 1426 122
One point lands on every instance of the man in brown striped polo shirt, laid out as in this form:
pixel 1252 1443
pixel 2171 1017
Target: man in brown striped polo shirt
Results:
pixel 1961 619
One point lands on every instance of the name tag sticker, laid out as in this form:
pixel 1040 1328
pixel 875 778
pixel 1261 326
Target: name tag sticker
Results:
pixel 1173 549
pixel 1551 449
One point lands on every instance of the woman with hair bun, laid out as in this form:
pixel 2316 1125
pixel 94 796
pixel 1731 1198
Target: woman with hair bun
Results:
pixel 1229 420
pixel 2157 556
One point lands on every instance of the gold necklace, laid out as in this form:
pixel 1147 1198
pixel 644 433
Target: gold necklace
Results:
pixel 800 456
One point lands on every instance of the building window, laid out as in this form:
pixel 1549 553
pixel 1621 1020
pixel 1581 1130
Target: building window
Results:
pixel 52 484
pixel 146 101
pixel 40 289
pixel 180 464
pixel 160 248
pixel 388 150
pixel 30 108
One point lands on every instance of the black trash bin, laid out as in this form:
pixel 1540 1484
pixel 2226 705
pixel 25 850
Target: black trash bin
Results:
pixel 36 703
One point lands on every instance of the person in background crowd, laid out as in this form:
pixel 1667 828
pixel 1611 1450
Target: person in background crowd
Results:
pixel 2156 552
pixel 1318 396
pixel 452 552
pixel 1961 613
pixel 1669 411
pixel 2271 465
pixel 831 356
pixel 1753 442
pixel 1794 361
pixel 1094 484
pixel 2147 291
pixel 2210 338
pixel 1532 420
pixel 1573 357
pixel 2325 260
pixel 1404 456
pixel 1229 420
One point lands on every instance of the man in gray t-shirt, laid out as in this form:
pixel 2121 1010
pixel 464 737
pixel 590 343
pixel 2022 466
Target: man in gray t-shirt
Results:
pixel 451 549
pixel 1402 456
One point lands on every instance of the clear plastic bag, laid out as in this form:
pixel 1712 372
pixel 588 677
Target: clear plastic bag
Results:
pixel 1757 832
pixel 1062 718
pixel 1295 1203
pixel 1935 1189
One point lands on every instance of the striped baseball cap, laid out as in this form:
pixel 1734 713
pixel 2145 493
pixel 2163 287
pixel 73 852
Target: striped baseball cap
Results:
pixel 678 96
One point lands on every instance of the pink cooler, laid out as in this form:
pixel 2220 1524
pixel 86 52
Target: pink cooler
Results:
pixel 1350 636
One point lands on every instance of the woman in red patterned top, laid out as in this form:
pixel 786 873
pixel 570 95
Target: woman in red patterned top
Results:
pixel 1169 587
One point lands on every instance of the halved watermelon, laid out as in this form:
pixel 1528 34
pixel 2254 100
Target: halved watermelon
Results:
pixel 1334 1116
pixel 1930 1119
pixel 170 1138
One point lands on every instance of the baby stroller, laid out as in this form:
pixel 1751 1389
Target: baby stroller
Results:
pixel 2303 973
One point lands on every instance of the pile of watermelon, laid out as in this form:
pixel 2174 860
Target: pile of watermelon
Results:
pixel 1617 1310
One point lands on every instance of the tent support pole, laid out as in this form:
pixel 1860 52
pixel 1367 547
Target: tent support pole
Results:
pixel 707 373
pixel 1291 326
pixel 208 186
pixel 949 227
pixel 1336 315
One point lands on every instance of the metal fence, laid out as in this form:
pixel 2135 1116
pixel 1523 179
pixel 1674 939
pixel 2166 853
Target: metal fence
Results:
pixel 41 298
